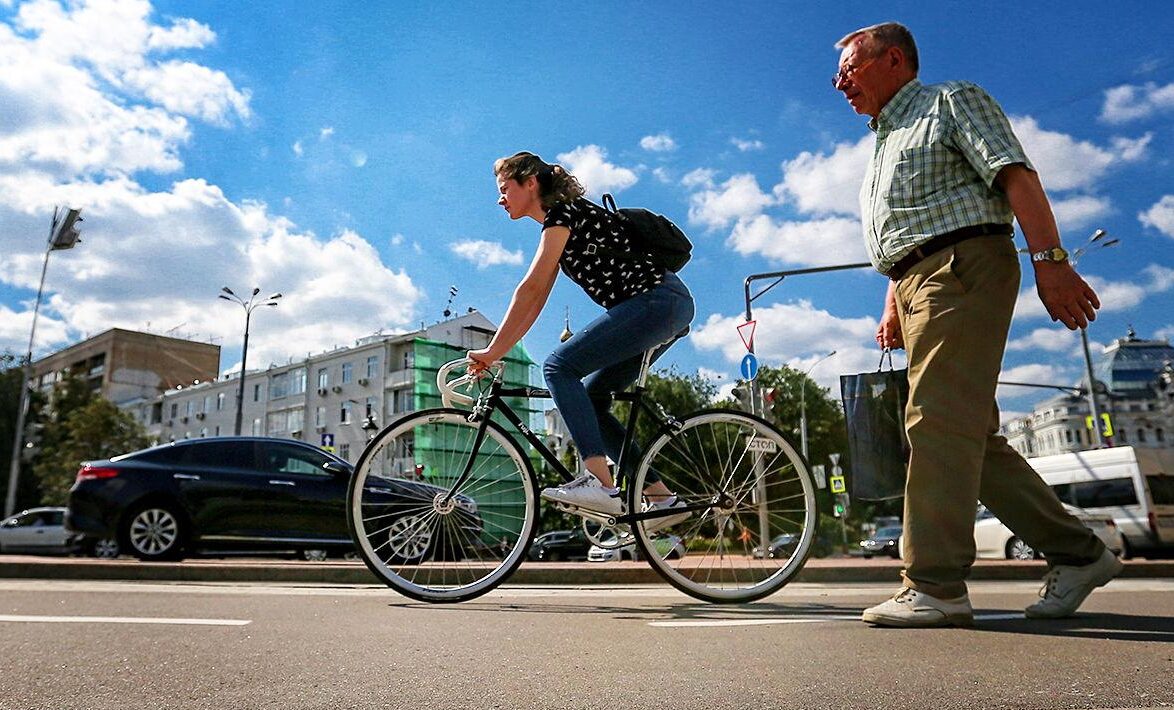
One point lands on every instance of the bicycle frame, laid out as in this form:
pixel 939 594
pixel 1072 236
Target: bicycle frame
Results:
pixel 494 401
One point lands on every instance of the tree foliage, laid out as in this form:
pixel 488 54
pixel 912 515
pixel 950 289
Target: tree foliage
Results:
pixel 10 379
pixel 79 426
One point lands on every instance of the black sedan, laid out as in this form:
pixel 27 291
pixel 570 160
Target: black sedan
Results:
pixel 560 545
pixel 884 542
pixel 246 494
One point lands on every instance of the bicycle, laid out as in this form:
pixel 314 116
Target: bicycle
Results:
pixel 750 497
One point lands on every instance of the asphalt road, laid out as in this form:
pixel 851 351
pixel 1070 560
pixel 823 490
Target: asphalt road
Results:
pixel 95 644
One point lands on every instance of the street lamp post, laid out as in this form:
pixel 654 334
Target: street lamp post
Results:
pixel 248 305
pixel 1094 242
pixel 63 234
pixel 803 404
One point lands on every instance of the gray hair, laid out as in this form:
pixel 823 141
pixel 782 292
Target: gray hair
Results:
pixel 883 36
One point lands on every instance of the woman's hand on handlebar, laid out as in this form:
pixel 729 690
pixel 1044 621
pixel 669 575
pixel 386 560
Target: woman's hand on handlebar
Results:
pixel 479 361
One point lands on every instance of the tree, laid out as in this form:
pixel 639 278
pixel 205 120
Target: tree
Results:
pixel 678 394
pixel 10 379
pixel 79 427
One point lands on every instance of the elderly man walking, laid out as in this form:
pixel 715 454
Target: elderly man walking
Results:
pixel 946 178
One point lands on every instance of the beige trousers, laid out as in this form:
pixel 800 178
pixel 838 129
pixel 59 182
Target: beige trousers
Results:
pixel 955 309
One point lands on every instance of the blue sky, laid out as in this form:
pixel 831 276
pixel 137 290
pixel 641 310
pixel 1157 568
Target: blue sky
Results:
pixel 341 154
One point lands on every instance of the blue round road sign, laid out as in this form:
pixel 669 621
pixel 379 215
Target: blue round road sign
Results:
pixel 749 367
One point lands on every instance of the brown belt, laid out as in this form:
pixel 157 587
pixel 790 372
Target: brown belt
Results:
pixel 941 241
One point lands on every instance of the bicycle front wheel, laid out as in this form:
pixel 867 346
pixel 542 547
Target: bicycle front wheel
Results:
pixel 422 535
pixel 756 516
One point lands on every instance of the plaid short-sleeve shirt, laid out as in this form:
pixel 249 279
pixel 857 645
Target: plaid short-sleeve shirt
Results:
pixel 938 150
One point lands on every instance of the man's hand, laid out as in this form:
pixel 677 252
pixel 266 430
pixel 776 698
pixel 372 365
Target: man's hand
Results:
pixel 1065 295
pixel 888 333
pixel 479 360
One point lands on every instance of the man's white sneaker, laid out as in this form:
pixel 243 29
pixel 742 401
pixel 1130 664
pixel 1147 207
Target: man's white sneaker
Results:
pixel 585 492
pixel 1066 587
pixel 654 524
pixel 910 608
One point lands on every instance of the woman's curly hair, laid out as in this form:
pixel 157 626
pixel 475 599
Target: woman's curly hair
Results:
pixel 555 184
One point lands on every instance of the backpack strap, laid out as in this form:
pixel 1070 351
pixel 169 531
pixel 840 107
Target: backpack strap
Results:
pixel 609 203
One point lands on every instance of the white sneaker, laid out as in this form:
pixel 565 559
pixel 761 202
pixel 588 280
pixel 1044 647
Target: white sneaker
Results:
pixel 585 492
pixel 910 608
pixel 653 524
pixel 1066 587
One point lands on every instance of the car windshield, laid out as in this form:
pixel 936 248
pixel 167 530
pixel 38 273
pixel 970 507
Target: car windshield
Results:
pixel 1161 489
pixel 889 532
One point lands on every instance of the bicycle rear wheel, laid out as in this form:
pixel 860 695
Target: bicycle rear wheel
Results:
pixel 760 518
pixel 421 537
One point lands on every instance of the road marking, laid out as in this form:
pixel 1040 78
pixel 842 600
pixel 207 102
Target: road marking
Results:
pixel 121 620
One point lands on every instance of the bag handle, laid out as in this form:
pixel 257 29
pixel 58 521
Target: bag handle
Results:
pixel 609 203
pixel 887 352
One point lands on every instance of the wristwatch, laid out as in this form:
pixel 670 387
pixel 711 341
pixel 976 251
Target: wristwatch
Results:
pixel 1056 255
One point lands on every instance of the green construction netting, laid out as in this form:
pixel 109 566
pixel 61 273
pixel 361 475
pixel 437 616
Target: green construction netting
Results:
pixel 438 447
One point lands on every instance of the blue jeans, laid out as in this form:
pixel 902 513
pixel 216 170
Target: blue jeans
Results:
pixel 608 353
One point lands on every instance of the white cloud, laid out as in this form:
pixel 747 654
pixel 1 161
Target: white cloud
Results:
pixel 711 375
pixel 1065 163
pixel 1052 340
pixel 662 175
pixel 184 33
pixel 789 332
pixel 660 143
pixel 737 198
pixel 1080 210
pixel 700 177
pixel 325 132
pixel 823 242
pixel 1160 216
pixel 485 254
pixel 1130 103
pixel 1035 374
pixel 589 164
pixel 747 144
pixel 191 90
pixel 358 158
pixel 827 184
pixel 297 148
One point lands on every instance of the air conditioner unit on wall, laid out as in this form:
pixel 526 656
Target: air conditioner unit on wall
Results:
pixel 199 415
pixel 363 381
pixel 321 391
pixel 336 388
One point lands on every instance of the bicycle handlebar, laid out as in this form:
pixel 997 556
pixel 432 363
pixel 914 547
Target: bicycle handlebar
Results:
pixel 448 393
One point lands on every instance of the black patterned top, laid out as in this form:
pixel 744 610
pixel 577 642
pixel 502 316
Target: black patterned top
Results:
pixel 609 275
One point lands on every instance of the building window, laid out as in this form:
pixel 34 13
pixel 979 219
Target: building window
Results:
pixel 408 359
pixel 320 417
pixel 372 407
pixel 1159 435
pixel 344 414
pixel 297 381
pixel 217 430
pixel 207 403
pixel 1121 437
pixel 296 419
pixel 220 402
pixel 344 452
pixel 174 410
pixel 203 432
pixel 323 378
pixel 279 386
pixel 257 427
pixel 257 393
pixel 276 423
pixel 1141 436
pixel 372 367
pixel 348 372
pixel 188 407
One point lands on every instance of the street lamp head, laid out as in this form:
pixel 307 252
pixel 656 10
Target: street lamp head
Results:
pixel 1098 235
pixel 256 290
pixel 275 297
pixel 228 291
pixel 224 297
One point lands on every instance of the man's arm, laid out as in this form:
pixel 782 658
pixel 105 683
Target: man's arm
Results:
pixel 1065 295
pixel 888 333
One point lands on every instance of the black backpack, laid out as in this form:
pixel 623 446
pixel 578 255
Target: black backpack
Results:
pixel 654 235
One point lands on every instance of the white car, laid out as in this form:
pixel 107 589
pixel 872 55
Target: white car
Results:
pixel 37 531
pixel 992 539
pixel 668 546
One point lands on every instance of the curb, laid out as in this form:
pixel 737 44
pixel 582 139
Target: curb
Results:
pixel 818 571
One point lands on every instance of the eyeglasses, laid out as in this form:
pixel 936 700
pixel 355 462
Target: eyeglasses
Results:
pixel 849 71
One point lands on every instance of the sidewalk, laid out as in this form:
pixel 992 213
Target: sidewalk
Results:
pixel 825 571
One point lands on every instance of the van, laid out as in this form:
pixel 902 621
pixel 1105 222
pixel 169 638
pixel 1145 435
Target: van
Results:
pixel 1133 486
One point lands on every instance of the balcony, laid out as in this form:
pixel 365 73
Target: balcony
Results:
pixel 400 378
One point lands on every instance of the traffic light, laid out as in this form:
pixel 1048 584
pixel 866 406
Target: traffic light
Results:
pixel 744 397
pixel 838 508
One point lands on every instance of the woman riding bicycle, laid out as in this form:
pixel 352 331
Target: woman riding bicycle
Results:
pixel 646 306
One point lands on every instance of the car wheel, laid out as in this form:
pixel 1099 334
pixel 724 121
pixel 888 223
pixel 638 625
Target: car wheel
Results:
pixel 867 556
pixel 409 539
pixel 896 555
pixel 553 557
pixel 313 555
pixel 154 532
pixel 1019 550
pixel 106 548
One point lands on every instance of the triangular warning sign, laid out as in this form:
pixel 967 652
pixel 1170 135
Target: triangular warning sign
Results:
pixel 746 332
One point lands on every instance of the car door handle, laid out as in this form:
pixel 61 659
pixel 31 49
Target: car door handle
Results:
pixel 186 476
pixel 282 483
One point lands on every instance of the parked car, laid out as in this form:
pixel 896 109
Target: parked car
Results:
pixel 559 545
pixel 992 539
pixel 246 493
pixel 38 531
pixel 883 542
pixel 780 546
pixel 667 546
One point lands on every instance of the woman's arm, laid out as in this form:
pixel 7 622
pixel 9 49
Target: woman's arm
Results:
pixel 528 300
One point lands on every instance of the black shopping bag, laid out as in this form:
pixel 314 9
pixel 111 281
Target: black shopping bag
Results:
pixel 874 411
